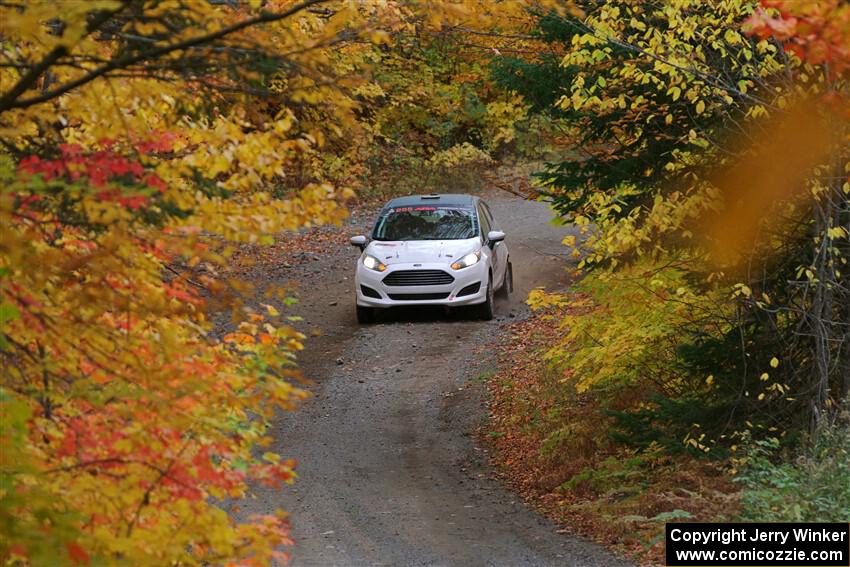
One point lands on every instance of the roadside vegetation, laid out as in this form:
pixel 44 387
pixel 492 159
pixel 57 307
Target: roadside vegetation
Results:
pixel 698 366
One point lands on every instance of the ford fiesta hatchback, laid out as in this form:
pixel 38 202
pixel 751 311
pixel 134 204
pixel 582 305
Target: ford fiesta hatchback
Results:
pixel 432 250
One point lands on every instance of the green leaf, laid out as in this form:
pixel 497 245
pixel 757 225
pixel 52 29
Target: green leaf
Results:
pixel 8 313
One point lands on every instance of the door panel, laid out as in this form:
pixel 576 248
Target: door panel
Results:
pixel 499 252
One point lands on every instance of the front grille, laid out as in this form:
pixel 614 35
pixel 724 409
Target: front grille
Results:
pixel 471 289
pixel 417 296
pixel 418 277
pixel 369 292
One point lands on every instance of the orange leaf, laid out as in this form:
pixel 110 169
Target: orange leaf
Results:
pixel 77 554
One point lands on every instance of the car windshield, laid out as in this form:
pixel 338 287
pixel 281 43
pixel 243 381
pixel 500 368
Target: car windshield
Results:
pixel 426 223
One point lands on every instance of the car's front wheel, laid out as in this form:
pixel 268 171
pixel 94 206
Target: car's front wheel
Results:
pixel 365 315
pixel 486 308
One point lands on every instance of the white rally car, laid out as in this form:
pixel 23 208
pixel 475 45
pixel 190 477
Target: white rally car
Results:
pixel 432 250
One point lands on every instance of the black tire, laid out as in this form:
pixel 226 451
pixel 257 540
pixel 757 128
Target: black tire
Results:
pixel 365 315
pixel 508 284
pixel 485 310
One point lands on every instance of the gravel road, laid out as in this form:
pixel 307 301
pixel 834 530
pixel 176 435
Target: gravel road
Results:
pixel 389 472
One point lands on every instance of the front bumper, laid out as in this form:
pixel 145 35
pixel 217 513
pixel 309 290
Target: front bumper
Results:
pixel 422 294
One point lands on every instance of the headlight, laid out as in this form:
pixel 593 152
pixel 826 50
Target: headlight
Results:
pixel 374 264
pixel 467 261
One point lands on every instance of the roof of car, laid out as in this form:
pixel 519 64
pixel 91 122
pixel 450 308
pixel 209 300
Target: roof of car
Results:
pixel 433 199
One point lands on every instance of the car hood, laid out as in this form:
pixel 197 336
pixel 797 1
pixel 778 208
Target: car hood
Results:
pixel 421 251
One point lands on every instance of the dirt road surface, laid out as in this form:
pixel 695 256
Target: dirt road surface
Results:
pixel 389 472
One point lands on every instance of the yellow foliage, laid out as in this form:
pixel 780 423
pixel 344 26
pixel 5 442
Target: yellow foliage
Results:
pixel 460 155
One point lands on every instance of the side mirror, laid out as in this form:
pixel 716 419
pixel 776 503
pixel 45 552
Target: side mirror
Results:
pixel 359 241
pixel 494 237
